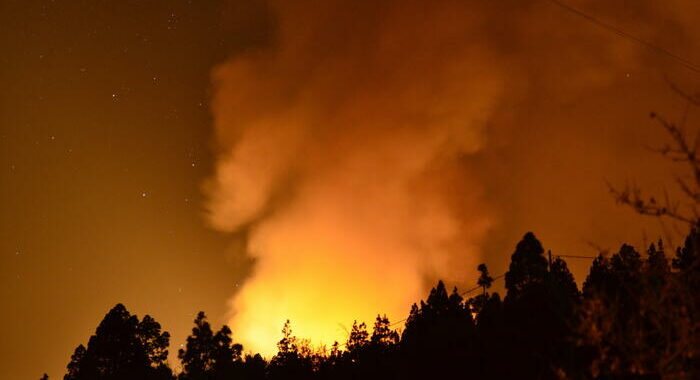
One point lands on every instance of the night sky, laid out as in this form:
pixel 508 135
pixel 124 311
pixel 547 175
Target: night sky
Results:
pixel 106 138
pixel 126 132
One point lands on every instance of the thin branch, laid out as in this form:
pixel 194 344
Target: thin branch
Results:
pixel 693 194
pixel 682 152
pixel 632 197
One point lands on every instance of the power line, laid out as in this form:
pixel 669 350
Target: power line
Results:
pixel 577 257
pixel 688 64
pixel 397 322
pixel 479 287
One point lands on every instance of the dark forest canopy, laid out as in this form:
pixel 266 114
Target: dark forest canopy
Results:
pixel 636 317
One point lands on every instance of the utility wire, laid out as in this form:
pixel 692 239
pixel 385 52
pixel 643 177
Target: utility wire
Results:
pixel 688 64
pixel 479 287
pixel 577 257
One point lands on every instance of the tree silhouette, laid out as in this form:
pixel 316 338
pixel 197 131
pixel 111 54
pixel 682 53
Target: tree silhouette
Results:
pixel 636 318
pixel 153 342
pixel 485 280
pixel 527 267
pixel 293 359
pixel 439 335
pixel 254 367
pixel 383 337
pixel 75 362
pixel 640 317
pixel 539 309
pixel 122 347
pixel 358 338
pixel 491 339
pixel 209 356
pixel 687 258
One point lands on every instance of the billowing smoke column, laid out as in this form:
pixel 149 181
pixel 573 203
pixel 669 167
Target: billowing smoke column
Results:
pixel 342 148
pixel 374 146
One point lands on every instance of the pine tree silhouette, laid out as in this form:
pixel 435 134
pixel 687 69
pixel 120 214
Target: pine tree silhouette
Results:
pixel 123 347
pixel 208 355
pixel 636 318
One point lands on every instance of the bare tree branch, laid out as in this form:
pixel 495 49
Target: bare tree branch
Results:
pixel 680 149
pixel 631 195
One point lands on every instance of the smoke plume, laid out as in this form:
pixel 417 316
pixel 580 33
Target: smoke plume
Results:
pixel 372 147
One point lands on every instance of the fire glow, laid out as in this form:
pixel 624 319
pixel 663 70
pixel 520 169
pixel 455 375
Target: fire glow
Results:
pixel 341 147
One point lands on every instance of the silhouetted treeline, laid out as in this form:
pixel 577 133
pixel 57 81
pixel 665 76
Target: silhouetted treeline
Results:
pixel 637 317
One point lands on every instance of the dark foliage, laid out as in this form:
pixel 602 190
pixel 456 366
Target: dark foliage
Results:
pixel 122 348
pixel 210 356
pixel 636 318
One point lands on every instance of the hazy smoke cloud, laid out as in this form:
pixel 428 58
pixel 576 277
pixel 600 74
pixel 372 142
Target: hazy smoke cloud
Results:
pixel 374 145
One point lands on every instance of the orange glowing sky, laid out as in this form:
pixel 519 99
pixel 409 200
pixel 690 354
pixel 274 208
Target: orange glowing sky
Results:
pixel 351 149
pixel 321 161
